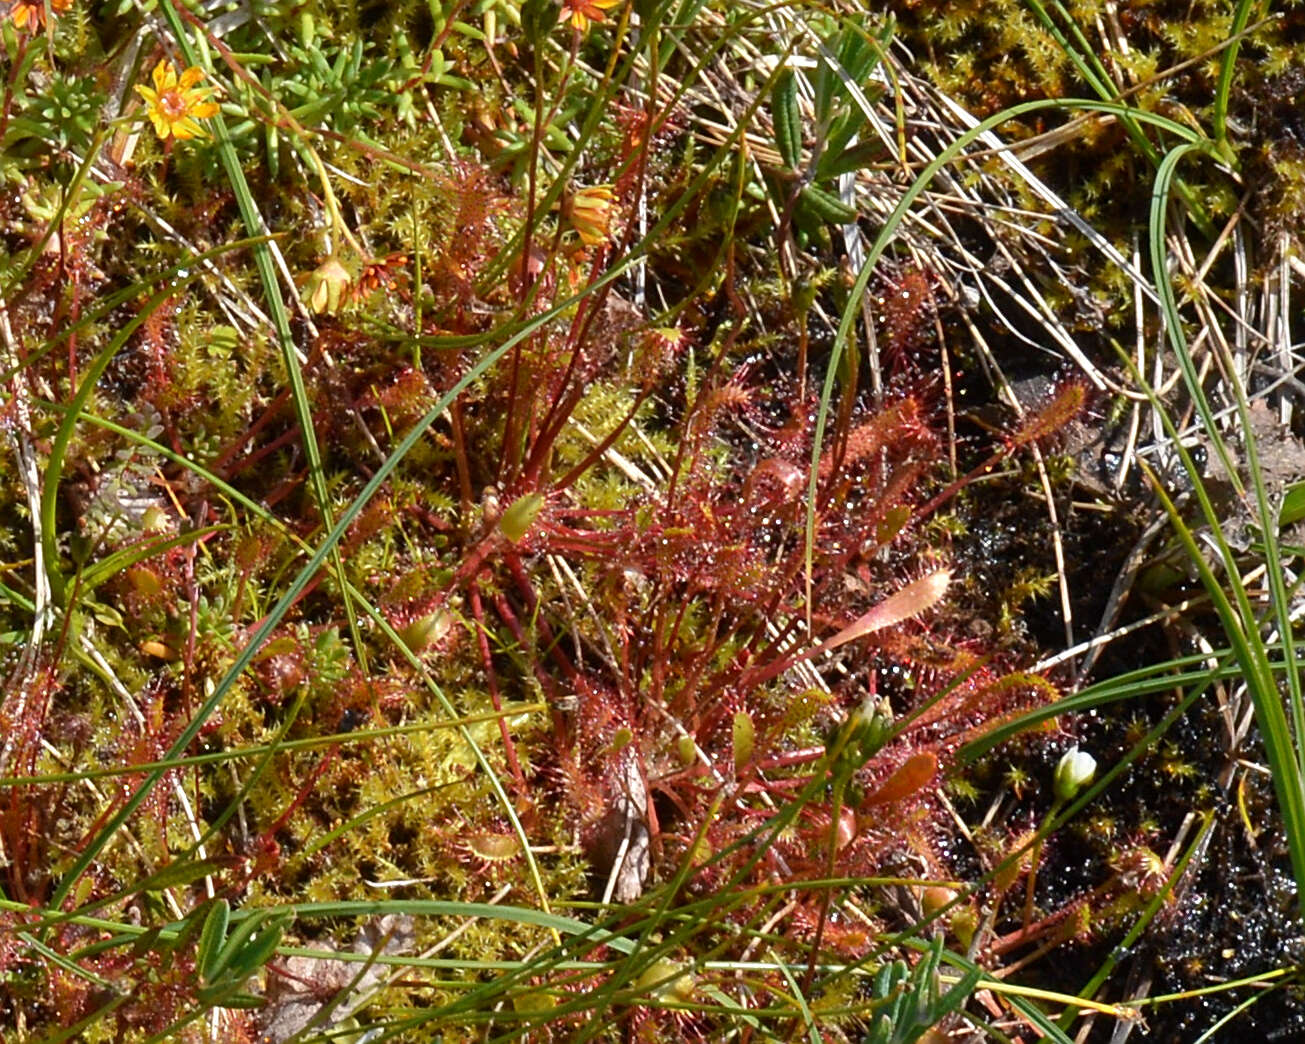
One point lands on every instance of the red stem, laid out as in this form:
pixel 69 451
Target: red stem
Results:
pixel 482 641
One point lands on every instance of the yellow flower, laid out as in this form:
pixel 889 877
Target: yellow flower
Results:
pixel 30 14
pixel 176 103
pixel 582 12
pixel 590 211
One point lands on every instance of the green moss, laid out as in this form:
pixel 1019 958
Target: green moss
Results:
pixel 692 593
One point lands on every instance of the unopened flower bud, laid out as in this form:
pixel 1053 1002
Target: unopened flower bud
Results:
pixel 667 979
pixel 326 286
pixel 1075 771
pixel 516 520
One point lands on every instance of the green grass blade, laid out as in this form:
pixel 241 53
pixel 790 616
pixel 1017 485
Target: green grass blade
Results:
pixel 1169 305
pixel 852 311
pixel 1240 621
pixel 63 437
pixel 126 557
pixel 1084 59
pixel 1227 67
pixel 301 581
pixel 1241 626
pixel 253 220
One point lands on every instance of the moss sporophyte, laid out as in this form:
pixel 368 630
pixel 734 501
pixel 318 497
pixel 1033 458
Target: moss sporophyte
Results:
pixel 175 103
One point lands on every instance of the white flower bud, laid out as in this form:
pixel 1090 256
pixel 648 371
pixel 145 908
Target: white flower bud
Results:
pixel 1075 771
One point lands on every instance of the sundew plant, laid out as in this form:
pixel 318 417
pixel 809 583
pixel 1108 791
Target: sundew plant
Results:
pixel 591 520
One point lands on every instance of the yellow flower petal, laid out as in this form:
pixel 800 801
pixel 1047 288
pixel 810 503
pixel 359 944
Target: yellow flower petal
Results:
pixel 164 76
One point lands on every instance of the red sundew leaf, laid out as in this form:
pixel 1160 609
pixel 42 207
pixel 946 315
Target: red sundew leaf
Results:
pixel 906 308
pixel 914 774
pixel 1065 405
pixel 900 423
pixel 911 600
pixel 998 696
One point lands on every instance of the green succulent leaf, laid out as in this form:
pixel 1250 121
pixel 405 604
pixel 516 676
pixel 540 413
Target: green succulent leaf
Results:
pixel 788 119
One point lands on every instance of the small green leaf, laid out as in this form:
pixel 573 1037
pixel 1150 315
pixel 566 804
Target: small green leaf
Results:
pixel 260 948
pixel 151 942
pixel 179 874
pixel 105 614
pixel 236 942
pixel 211 938
pixel 892 522
pixel 845 161
pixel 788 120
pixel 1293 505
pixel 226 994
pixel 827 206
pixel 243 1000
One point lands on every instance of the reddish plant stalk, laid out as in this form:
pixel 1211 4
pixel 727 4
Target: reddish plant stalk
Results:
pixel 593 456
pixel 491 679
